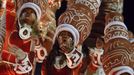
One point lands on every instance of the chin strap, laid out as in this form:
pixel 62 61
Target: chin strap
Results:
pixel 74 58
pixel 25 32
pixel 23 66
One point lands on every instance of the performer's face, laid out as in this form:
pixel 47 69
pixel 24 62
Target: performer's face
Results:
pixel 2 6
pixel 66 41
pixel 28 16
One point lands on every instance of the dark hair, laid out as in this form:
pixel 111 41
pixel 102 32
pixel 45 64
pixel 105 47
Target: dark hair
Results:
pixel 1 3
pixel 54 52
pixel 86 59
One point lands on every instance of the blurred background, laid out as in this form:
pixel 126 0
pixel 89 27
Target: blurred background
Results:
pixel 129 14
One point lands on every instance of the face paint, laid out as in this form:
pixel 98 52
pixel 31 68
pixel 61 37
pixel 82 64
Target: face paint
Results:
pixel 27 21
pixel 28 16
pixel 66 41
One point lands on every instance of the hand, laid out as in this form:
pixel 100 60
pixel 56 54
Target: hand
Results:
pixel 20 54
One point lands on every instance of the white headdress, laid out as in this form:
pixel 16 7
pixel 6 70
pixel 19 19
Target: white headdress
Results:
pixel 31 5
pixel 69 28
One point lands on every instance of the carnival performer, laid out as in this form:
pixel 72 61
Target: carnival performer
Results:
pixel 19 39
pixel 74 26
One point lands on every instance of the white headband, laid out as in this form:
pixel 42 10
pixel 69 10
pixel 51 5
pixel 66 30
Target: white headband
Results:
pixel 121 69
pixel 114 23
pixel 69 28
pixel 33 6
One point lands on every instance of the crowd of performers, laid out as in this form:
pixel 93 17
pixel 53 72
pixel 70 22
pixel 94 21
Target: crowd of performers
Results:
pixel 88 38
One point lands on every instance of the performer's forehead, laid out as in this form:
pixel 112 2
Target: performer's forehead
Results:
pixel 28 9
pixel 63 33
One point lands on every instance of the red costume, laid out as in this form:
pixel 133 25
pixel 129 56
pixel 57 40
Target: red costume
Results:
pixel 6 69
pixel 10 64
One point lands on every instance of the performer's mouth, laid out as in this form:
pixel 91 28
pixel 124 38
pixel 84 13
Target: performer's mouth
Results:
pixel 64 48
